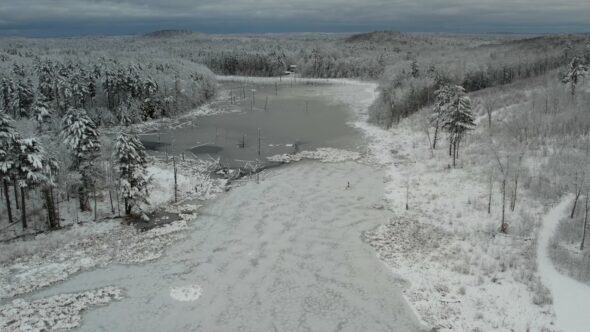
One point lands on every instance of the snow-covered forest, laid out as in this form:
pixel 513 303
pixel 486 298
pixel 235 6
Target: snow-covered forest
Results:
pixel 480 143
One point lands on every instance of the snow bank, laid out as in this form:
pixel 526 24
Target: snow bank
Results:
pixel 52 257
pixel 59 312
pixel 193 180
pixel 325 155
pixel 124 244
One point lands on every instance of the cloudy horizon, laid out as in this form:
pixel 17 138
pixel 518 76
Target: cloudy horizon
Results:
pixel 119 17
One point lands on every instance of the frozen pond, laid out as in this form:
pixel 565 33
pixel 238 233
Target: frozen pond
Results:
pixel 261 121
pixel 282 255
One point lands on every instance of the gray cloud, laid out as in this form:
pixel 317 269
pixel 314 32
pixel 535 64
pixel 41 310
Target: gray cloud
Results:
pixel 271 15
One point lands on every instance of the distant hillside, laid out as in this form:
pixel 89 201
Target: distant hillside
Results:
pixel 376 36
pixel 167 33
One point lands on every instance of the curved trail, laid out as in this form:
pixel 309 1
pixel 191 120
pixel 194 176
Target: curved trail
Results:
pixel 569 296
pixel 282 255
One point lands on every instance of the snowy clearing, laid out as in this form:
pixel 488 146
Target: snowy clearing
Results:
pixel 456 273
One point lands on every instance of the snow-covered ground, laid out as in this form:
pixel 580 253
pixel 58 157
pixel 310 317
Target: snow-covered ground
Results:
pixel 458 272
pixel 287 253
pixel 570 297
pixel 59 312
pixel 325 155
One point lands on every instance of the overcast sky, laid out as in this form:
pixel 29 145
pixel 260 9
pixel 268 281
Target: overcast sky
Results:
pixel 75 17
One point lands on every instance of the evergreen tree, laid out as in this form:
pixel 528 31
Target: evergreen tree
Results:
pixel 41 111
pixel 46 80
pixel 8 139
pixel 440 110
pixel 7 90
pixel 25 98
pixel 32 168
pixel 458 119
pixel 131 158
pixel 82 137
pixel 415 70
pixel 576 71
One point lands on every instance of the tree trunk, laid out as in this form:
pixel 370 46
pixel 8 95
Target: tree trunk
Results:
pixel 56 204
pixel 585 223
pixel 15 193
pixel 514 194
pixel 450 147
pixel 578 193
pixel 503 224
pixel 407 196
pixel 95 209
pixel 454 145
pixel 23 208
pixel 490 195
pixel 118 202
pixel 175 181
pixel 49 205
pixel 127 207
pixel 435 136
pixel 83 198
pixel 111 199
pixel 8 207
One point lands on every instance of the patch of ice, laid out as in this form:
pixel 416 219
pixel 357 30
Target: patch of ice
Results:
pixel 186 293
pixel 325 155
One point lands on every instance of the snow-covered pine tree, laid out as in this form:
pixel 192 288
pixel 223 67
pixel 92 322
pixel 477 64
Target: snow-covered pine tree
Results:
pixel 46 84
pixel 81 136
pixel 458 119
pixel 576 70
pixel 25 98
pixel 440 110
pixel 33 169
pixel 41 111
pixel 8 138
pixel 414 69
pixel 131 159
pixel 7 91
